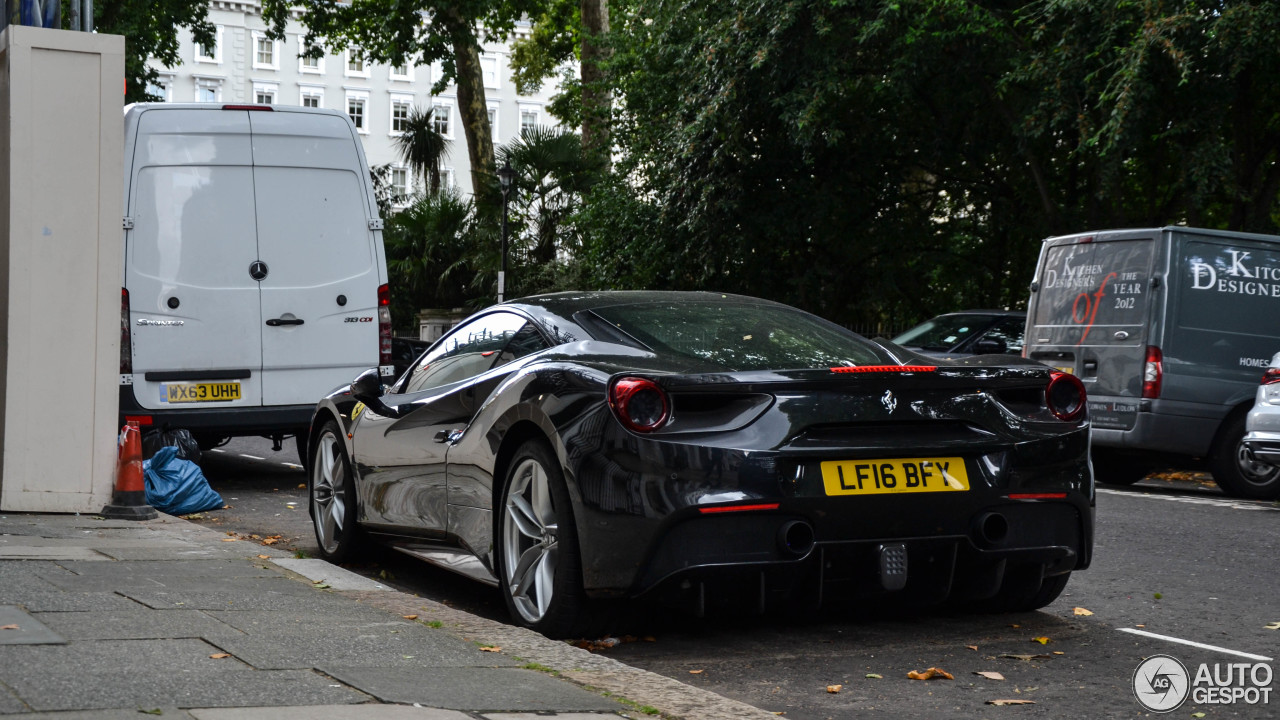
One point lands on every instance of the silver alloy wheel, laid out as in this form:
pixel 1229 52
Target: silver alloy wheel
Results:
pixel 1254 472
pixel 529 548
pixel 328 493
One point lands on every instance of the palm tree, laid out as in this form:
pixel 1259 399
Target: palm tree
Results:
pixel 422 147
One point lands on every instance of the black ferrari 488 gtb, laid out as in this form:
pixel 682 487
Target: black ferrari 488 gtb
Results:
pixel 698 447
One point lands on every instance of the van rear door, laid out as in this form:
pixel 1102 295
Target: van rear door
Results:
pixel 319 320
pixel 1090 318
pixel 193 303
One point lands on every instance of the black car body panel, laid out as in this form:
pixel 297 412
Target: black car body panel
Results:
pixel 430 463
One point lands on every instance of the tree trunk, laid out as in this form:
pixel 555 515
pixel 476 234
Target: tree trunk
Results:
pixel 471 105
pixel 597 101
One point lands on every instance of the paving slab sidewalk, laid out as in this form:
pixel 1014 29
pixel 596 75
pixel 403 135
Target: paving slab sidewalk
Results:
pixel 105 618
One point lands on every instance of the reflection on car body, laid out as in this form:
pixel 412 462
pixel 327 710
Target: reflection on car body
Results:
pixel 1261 443
pixel 696 447
pixel 972 332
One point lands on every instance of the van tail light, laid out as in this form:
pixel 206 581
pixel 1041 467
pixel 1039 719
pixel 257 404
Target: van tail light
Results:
pixel 384 327
pixel 1271 376
pixel 1065 396
pixel 126 341
pixel 639 404
pixel 1152 373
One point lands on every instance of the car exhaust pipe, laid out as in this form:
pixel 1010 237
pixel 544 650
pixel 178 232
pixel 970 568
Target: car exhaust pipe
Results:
pixel 992 528
pixel 796 538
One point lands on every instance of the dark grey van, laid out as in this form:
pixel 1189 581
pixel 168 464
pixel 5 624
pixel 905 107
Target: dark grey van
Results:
pixel 1170 329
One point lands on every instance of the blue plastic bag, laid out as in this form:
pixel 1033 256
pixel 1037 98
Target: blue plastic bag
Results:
pixel 177 486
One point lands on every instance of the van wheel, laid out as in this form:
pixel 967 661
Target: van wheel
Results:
pixel 1117 468
pixel 1235 472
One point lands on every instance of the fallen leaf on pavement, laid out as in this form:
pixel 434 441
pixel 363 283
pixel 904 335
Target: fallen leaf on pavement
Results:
pixel 1272 626
pixel 1082 611
pixel 833 689
pixel 603 643
pixel 409 617
pixel 490 648
pixel 229 539
pixel 1058 652
pixel 1197 715
pixel 1015 625
pixel 696 672
pixel 1011 702
pixel 875 676
pixel 931 674
pixel 320 586
pixel 9 627
pixel 1013 656
pixel 264 557
pixel 153 711
pixel 219 656
pixel 989 674
pixel 1041 640
pixel 972 647
pixel 270 541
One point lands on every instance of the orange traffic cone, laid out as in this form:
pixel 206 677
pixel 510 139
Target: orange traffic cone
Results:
pixel 129 501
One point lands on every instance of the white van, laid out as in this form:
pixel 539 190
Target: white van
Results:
pixel 254 279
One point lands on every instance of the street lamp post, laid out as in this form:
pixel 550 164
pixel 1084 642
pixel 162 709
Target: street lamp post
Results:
pixel 505 176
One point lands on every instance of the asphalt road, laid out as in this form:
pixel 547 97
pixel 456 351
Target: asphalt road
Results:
pixel 1174 558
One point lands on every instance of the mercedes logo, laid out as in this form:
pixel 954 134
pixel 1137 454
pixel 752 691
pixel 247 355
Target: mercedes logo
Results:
pixel 257 270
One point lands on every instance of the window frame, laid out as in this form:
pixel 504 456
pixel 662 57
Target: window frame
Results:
pixel 437 351
pixel 346 67
pixel 216 58
pixel 398 99
pixel 266 87
pixel 495 109
pixel 363 96
pixel 303 68
pixel 306 91
pixel 393 76
pixel 259 37
pixel 490 59
pixel 203 82
pixel 536 110
pixel 447 105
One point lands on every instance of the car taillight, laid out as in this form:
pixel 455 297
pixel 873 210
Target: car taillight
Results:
pixel 1065 396
pixel 1271 376
pixel 1152 373
pixel 640 404
pixel 126 342
pixel 384 326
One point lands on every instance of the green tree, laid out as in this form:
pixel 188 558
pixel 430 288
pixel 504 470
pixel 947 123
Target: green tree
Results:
pixel 150 30
pixel 434 252
pixel 422 147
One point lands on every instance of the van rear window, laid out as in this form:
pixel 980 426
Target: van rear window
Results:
pixel 1094 284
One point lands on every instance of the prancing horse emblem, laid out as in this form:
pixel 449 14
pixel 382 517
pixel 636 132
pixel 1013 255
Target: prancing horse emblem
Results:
pixel 889 401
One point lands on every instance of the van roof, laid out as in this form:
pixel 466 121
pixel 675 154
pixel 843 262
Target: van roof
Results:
pixel 144 107
pixel 1140 232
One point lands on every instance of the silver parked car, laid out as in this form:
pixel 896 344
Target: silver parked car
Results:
pixel 1262 426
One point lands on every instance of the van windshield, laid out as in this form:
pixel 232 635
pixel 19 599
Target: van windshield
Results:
pixel 1094 284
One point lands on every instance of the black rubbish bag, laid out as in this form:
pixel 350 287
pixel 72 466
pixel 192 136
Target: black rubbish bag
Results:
pixel 153 440
pixel 177 486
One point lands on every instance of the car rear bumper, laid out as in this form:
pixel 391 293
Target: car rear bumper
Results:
pixel 1156 429
pixel 220 422
pixel 1263 446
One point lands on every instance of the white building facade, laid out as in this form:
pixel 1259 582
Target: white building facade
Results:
pixel 245 67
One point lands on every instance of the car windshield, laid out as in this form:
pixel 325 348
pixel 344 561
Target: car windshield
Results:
pixel 740 337
pixel 944 332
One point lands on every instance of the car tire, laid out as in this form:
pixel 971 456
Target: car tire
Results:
pixel 1025 589
pixel 537 553
pixel 1117 468
pixel 332 497
pixel 1235 472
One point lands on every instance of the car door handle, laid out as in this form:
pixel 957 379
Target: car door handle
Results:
pixel 277 322
pixel 448 436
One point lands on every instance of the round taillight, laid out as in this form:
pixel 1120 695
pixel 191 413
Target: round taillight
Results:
pixel 1065 396
pixel 639 403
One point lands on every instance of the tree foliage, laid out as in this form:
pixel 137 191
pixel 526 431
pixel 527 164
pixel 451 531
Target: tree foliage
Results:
pixel 150 30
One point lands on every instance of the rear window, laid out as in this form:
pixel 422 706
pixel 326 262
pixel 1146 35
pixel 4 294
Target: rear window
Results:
pixel 944 332
pixel 740 337
pixel 1094 284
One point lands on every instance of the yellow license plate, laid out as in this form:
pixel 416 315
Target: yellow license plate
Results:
pixel 199 392
pixel 905 475
pixel 1065 368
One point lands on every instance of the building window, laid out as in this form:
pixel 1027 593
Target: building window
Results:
pixel 402 72
pixel 493 122
pixel 446 178
pixel 208 90
pixel 264 94
pixel 400 114
pixel 528 120
pixel 440 117
pixel 356 66
pixel 399 184
pixel 211 54
pixel 489 68
pixel 162 88
pixel 312 97
pixel 309 65
pixel 265 56
pixel 355 108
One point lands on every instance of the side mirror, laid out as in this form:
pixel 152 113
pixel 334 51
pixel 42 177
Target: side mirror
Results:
pixel 367 387
pixel 990 346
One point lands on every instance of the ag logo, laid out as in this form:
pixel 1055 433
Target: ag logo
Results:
pixel 1161 683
